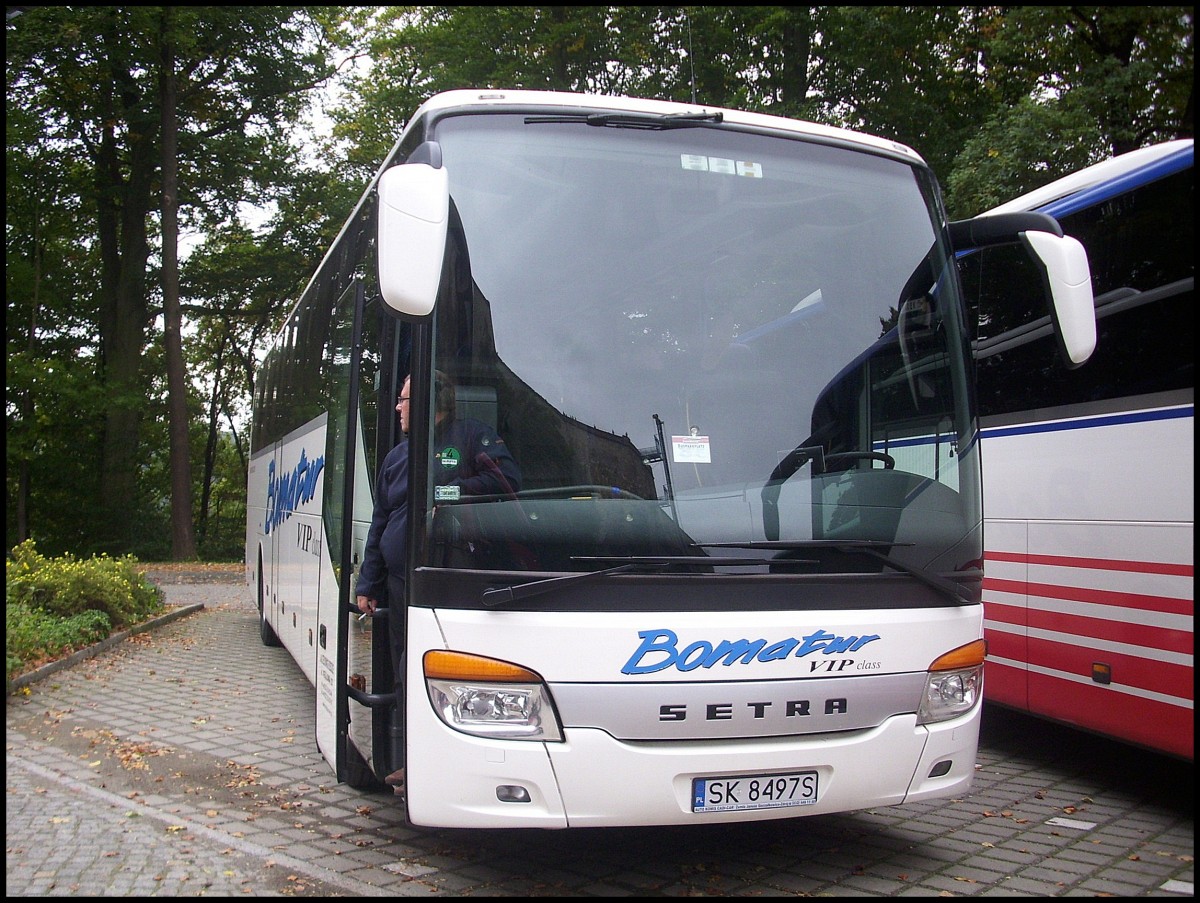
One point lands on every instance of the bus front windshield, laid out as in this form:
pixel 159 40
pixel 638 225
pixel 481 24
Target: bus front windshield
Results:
pixel 699 340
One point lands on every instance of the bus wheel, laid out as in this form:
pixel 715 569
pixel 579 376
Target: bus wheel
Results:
pixel 265 631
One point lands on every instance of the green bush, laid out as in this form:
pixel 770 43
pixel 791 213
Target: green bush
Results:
pixel 66 586
pixel 32 635
pixel 55 606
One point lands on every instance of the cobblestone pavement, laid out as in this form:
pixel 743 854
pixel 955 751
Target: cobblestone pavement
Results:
pixel 181 762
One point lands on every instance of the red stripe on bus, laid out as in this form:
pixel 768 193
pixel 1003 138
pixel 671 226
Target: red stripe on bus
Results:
pixel 1009 614
pixel 1005 645
pixel 1164 604
pixel 1164 638
pixel 1005 684
pixel 1102 564
pixel 1156 677
pixel 1085 629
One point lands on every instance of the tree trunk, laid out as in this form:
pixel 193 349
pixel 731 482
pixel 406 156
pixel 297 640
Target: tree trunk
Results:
pixel 122 206
pixel 28 411
pixel 122 337
pixel 183 538
pixel 214 435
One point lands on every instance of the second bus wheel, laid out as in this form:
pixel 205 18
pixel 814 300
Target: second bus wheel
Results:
pixel 265 631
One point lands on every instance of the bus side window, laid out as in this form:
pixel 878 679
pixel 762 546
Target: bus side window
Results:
pixel 1142 244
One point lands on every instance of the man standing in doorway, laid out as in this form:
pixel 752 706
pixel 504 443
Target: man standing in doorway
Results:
pixel 469 455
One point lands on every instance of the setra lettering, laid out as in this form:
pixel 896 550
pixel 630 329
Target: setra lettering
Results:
pixel 724 711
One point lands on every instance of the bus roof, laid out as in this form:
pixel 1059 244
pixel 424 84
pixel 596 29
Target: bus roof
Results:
pixel 467 98
pixel 1112 176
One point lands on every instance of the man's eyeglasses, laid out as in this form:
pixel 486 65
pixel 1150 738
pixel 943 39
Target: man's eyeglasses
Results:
pixel 403 399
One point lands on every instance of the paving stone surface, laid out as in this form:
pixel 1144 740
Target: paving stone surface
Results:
pixel 181 761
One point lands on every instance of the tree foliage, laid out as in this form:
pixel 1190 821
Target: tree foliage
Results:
pixel 999 99
pixel 85 83
pixel 1074 85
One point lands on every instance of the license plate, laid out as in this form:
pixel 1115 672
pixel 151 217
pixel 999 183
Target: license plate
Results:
pixel 754 791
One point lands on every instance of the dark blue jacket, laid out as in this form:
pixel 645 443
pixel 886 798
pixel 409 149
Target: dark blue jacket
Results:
pixel 467 454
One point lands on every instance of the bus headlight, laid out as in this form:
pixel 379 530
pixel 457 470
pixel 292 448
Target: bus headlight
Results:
pixel 954 684
pixel 486 697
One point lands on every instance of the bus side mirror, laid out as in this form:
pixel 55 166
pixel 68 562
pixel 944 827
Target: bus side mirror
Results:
pixel 413 214
pixel 1068 279
pixel 1063 263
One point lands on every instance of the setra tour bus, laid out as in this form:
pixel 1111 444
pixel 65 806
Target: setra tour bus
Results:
pixel 740 575
pixel 1088 480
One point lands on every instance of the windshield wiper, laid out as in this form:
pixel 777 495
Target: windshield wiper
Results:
pixel 500 595
pixel 870 548
pixel 643 563
pixel 631 120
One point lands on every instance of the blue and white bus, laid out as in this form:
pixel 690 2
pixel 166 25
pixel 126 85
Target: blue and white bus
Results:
pixel 1089 490
pixel 713 598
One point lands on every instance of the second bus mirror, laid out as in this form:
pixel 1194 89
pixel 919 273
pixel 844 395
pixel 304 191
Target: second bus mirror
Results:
pixel 414 205
pixel 1063 263
pixel 1069 283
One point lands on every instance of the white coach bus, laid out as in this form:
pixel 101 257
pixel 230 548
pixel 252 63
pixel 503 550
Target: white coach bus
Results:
pixel 714 596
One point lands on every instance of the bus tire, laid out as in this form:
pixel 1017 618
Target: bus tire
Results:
pixel 265 631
